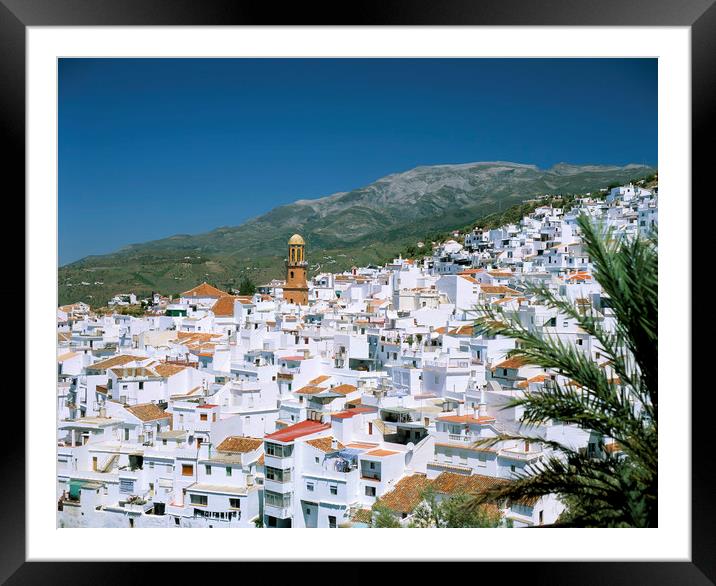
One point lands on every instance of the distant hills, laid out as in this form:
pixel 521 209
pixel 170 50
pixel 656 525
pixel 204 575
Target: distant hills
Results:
pixel 355 227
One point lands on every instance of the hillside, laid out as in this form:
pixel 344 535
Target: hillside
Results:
pixel 356 227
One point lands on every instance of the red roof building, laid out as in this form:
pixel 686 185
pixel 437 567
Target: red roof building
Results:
pixel 293 432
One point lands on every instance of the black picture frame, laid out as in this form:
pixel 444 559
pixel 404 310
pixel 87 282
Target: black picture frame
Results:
pixel 699 15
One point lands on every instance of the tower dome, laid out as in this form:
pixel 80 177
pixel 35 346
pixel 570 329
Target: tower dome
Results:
pixel 296 239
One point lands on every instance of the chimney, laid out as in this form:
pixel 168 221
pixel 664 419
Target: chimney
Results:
pixel 334 443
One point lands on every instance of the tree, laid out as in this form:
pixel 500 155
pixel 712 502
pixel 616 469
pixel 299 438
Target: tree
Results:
pixel 383 517
pixel 247 286
pixel 602 488
pixel 453 512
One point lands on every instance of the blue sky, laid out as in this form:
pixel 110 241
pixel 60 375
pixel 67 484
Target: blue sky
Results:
pixel 154 147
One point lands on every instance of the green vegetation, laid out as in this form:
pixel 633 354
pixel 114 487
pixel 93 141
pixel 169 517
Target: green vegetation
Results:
pixel 452 512
pixel 383 517
pixel 247 286
pixel 601 487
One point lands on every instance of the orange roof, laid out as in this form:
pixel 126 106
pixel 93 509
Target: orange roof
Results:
pixel 496 289
pixel 240 445
pixel 319 379
pixel 147 411
pixel 348 413
pixel 196 336
pixel 540 378
pixel 380 453
pixel 464 330
pixel 449 483
pixel 344 389
pixel 309 390
pixel 224 306
pixel 470 279
pixel 115 361
pixel 292 432
pixel 166 370
pixel 204 290
pixel 325 444
pixel 466 419
pixel 514 362
pixel 407 493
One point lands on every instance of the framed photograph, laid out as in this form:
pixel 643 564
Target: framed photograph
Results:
pixel 401 272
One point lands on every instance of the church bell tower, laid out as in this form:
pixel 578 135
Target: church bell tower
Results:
pixel 296 288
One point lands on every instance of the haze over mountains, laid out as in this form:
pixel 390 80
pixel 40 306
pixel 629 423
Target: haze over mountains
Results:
pixel 358 226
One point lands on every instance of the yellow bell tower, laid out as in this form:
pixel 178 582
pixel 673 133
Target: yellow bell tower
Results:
pixel 296 288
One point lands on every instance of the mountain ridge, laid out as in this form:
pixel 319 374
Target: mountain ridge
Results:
pixel 388 211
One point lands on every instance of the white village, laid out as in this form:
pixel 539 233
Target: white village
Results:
pixel 322 399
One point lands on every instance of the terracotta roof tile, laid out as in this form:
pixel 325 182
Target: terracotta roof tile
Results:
pixel 319 379
pixel 148 412
pixel 407 493
pixel 449 483
pixel 380 453
pixel 118 360
pixel 166 370
pixel 224 306
pixel 204 290
pixel 325 444
pixel 514 362
pixel 344 389
pixel 241 445
pixel 292 432
pixel 466 419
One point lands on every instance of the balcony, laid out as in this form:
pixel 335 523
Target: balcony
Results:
pixel 280 512
pixel 459 439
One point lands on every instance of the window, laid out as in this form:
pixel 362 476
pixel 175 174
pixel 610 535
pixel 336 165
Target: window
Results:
pixel 278 450
pixel 208 470
pixel 331 522
pixel 275 499
pixel 334 489
pixel 318 460
pixel 370 490
pixel 512 468
pixel 541 517
pixel 141 386
pixel 310 486
pixel 187 470
pixel 277 475
pixel 235 503
pixel 126 434
pixel 228 470
pixel 199 499
pixel 202 417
